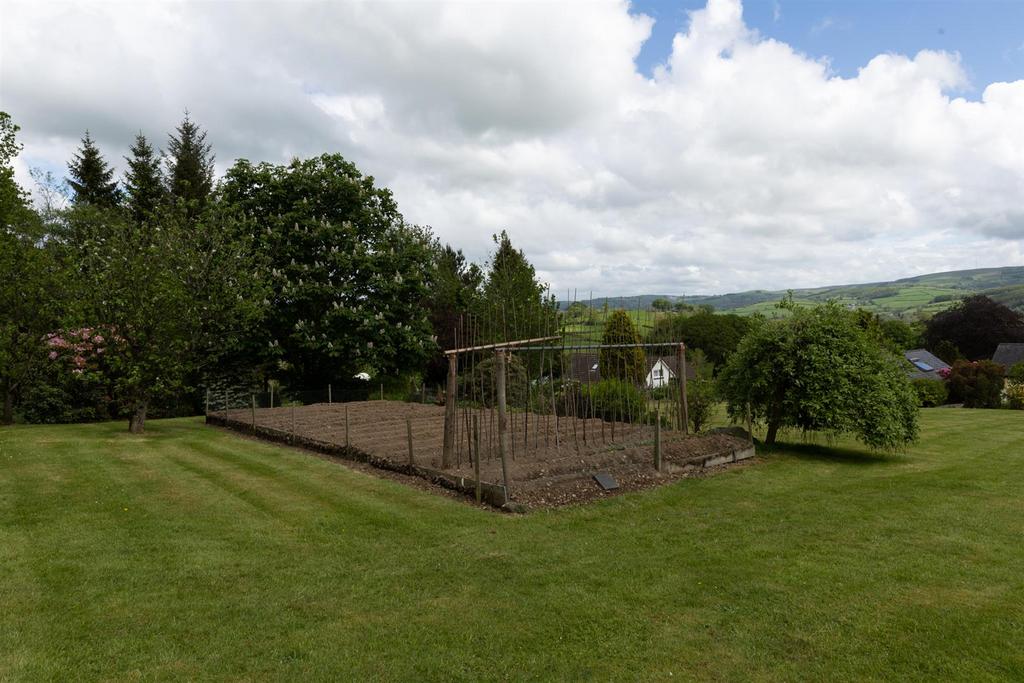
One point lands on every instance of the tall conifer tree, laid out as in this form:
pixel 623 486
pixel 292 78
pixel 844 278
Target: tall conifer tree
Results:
pixel 189 165
pixel 143 181
pixel 92 178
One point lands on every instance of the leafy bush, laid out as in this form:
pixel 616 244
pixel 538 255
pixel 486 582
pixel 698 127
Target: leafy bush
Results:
pixel 930 392
pixel 615 400
pixel 1014 395
pixel 1016 373
pixel 976 384
pixel 701 398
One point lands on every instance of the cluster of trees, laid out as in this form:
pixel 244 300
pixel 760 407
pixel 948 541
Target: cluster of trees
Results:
pixel 121 295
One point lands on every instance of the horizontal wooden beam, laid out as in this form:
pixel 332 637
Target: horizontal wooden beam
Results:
pixel 502 345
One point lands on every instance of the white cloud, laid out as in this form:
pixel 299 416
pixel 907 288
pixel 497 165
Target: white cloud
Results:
pixel 741 163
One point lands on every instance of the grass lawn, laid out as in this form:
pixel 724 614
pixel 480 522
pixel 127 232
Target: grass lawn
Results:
pixel 193 553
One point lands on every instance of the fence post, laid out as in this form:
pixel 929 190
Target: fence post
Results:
pixel 293 422
pixel 502 419
pixel 476 455
pixel 225 406
pixel 408 431
pixel 207 401
pixel 382 391
pixel 449 412
pixel 657 439
pixel 346 427
pixel 684 409
pixel 254 412
pixel 271 395
pixel 329 401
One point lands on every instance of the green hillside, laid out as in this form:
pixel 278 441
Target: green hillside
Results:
pixel 911 297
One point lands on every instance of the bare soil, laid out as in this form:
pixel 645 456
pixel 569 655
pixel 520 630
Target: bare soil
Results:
pixel 551 461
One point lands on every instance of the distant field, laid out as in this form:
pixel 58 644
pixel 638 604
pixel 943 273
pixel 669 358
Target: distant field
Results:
pixel 908 298
pixel 191 553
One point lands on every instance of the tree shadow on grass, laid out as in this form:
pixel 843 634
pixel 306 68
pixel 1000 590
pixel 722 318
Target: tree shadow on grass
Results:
pixel 821 452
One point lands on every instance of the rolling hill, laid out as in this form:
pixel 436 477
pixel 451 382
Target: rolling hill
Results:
pixel 912 297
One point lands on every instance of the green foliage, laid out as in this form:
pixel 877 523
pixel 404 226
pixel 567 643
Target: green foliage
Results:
pixel 976 326
pixel 512 296
pixel 31 282
pixel 454 290
pixel 901 335
pixel 615 400
pixel 481 384
pixel 91 178
pixel 1016 373
pixel 143 180
pixel 661 304
pixel 1014 395
pixel 976 384
pixel 168 298
pixel 818 370
pixel 717 334
pixel 626 364
pixel 189 166
pixel 947 351
pixel 701 399
pixel 347 276
pixel 930 392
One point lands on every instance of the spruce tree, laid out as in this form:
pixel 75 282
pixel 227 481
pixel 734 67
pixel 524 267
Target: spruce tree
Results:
pixel 143 181
pixel 189 165
pixel 92 178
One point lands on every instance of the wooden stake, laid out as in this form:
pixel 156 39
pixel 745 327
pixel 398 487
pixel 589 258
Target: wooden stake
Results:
pixel 408 431
pixel 476 456
pixel 207 401
pixel 254 412
pixel 346 428
pixel 657 439
pixel 293 422
pixel 225 405
pixel 329 397
pixel 682 374
pixel 502 421
pixel 449 412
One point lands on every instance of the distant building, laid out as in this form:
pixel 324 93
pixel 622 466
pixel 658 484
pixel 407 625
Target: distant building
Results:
pixel 924 365
pixel 1009 354
pixel 661 371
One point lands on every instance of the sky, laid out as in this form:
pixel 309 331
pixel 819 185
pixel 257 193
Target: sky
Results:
pixel 650 147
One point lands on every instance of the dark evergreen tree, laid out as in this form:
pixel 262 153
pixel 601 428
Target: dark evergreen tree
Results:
pixel 189 166
pixel 143 181
pixel 454 287
pixel 92 179
pixel 513 299
pixel 975 326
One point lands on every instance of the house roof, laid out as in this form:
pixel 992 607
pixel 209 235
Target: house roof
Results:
pixel 1009 354
pixel 924 364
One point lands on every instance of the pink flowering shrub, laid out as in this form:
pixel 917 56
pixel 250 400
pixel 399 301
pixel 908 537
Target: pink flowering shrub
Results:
pixel 78 347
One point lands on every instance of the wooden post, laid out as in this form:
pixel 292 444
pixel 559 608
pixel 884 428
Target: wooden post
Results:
pixel 293 422
pixel 225 405
pixel 502 421
pixel 476 455
pixel 450 415
pixel 329 397
pixel 254 412
pixel 382 391
pixel 408 431
pixel 207 401
pixel 657 439
pixel 346 427
pixel 684 409
pixel 271 395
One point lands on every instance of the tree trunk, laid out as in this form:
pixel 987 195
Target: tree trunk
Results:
pixel 773 429
pixel 137 421
pixel 8 412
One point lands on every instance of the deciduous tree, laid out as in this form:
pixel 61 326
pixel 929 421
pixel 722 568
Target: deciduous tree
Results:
pixel 818 370
pixel 975 326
